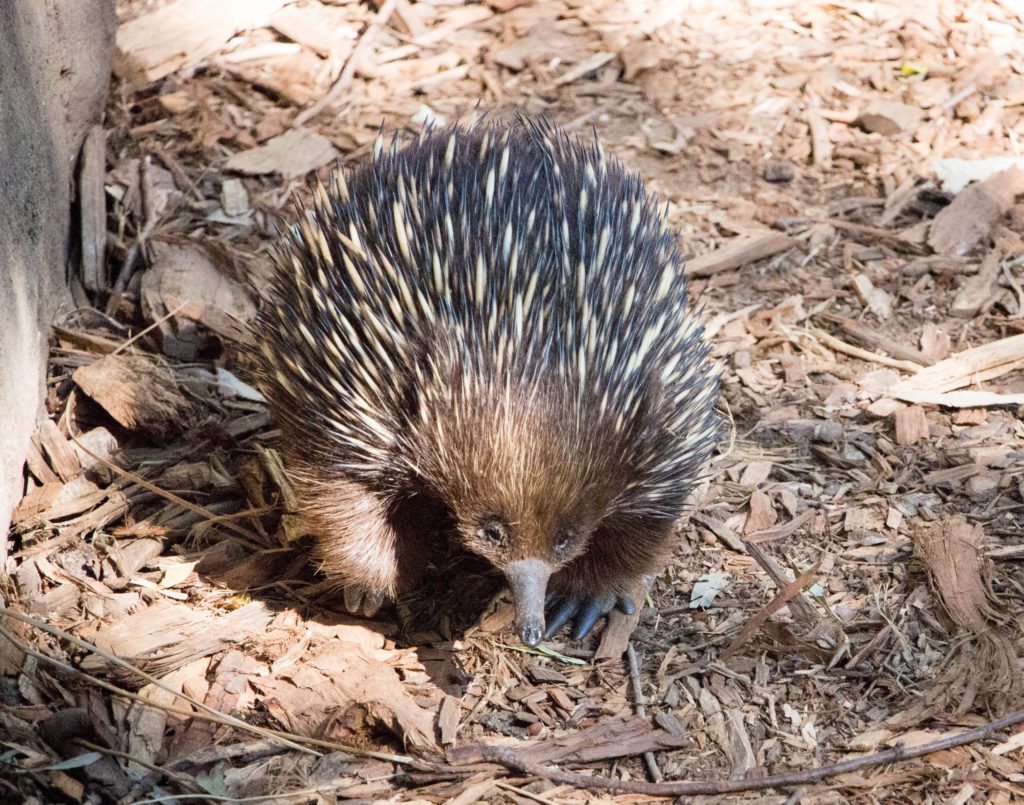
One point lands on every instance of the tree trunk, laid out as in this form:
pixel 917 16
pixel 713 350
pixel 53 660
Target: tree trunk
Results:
pixel 54 72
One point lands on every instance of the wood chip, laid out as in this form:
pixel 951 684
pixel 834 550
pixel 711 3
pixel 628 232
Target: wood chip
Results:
pixel 595 62
pixel 878 300
pixel 166 636
pixel 911 425
pixel 183 32
pixel 448 720
pixel 977 289
pixel 889 117
pixel 59 450
pixel 762 513
pixel 321 28
pixel 821 144
pixel 234 199
pixel 294 153
pixel 194 283
pixel 936 384
pixel 92 198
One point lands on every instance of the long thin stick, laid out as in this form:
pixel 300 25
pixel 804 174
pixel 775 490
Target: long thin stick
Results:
pixel 512 760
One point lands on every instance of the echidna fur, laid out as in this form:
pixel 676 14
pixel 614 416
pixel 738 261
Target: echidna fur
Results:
pixel 488 330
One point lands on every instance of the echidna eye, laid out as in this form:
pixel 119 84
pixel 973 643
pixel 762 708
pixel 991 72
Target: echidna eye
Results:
pixel 564 541
pixel 491 531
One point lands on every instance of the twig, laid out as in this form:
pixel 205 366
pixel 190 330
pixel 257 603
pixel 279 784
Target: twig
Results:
pixel 125 344
pixel 510 759
pixel 856 352
pixel 210 516
pixel 522 792
pixel 794 588
pixel 348 72
pixel 641 710
pixel 183 780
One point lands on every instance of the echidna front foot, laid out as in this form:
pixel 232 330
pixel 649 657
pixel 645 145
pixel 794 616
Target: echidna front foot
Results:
pixel 362 602
pixel 584 611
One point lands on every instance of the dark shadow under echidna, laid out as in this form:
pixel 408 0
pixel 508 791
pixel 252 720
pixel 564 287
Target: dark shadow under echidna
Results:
pixel 488 330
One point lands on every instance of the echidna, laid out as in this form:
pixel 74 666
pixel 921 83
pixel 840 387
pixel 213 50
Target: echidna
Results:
pixel 488 329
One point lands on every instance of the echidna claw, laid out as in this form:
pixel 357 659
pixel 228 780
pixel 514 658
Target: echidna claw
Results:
pixel 361 602
pixel 583 611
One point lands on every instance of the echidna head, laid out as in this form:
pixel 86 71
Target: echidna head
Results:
pixel 528 539
pixel 527 490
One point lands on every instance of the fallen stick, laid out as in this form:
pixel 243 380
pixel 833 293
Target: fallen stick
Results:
pixel 839 345
pixel 511 760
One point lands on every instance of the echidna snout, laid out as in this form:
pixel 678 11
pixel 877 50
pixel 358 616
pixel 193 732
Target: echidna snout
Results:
pixel 528 579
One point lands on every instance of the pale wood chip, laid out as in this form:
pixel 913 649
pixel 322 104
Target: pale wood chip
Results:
pixel 936 384
pixel 911 425
pixel 183 32
pixel 294 153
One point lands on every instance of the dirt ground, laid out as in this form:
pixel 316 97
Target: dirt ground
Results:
pixel 845 177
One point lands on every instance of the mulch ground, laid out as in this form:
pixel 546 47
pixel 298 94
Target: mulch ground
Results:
pixel 846 177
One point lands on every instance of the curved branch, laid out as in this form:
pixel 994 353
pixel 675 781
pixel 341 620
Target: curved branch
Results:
pixel 510 759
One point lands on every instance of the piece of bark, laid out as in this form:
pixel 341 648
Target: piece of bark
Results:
pixel 448 720
pixel 951 551
pixel 166 636
pixel 972 214
pixel 184 32
pixel 889 117
pixel 59 450
pixel 911 425
pixel 620 626
pixel 738 252
pixel 93 204
pixel 762 513
pixel 194 283
pixel 977 288
pixel 638 56
pixel 137 392
pixel 61 598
